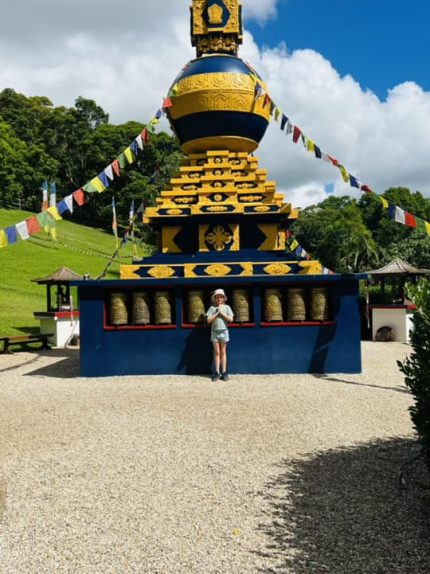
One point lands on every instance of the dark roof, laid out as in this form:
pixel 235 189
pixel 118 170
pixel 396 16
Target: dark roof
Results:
pixel 62 275
pixel 399 267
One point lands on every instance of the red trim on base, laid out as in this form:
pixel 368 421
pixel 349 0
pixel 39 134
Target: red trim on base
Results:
pixel 299 324
pixel 138 327
pixel 58 314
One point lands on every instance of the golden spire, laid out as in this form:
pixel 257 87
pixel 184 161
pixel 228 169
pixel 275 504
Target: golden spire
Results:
pixel 216 26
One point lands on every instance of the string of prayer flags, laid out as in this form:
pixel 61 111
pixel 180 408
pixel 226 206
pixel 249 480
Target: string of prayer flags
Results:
pixel 396 213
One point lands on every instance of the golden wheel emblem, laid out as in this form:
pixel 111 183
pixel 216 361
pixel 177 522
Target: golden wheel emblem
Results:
pixel 218 270
pixel 219 238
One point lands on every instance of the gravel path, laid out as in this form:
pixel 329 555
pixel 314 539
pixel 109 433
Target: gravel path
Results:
pixel 162 475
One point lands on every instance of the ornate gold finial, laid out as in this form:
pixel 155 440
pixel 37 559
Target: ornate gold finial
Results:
pixel 216 26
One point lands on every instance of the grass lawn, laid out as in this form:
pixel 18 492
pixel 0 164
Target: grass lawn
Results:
pixel 82 249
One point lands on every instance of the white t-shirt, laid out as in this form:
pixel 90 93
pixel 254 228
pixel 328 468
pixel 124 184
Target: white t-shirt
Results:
pixel 220 324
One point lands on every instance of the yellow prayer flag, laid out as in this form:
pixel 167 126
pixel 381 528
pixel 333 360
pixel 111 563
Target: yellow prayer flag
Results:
pixel 54 233
pixel 277 114
pixel 129 155
pixel 345 174
pixel 54 212
pixel 310 146
pixel 3 239
pixel 98 184
pixel 294 244
pixel 384 202
pixel 427 227
pixel 154 122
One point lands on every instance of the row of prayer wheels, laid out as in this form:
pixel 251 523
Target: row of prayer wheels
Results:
pixel 140 308
pixel 144 308
pixel 296 304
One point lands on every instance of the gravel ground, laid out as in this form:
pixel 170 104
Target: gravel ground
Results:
pixel 160 475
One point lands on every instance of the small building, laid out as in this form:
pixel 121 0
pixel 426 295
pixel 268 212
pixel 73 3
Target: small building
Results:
pixel 62 315
pixel 393 314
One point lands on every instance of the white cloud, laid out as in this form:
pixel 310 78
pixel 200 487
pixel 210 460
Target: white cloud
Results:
pixel 125 56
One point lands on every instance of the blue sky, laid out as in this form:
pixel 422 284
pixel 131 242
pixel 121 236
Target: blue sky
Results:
pixel 355 76
pixel 381 43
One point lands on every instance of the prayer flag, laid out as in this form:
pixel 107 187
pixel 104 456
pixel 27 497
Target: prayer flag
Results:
pixel 22 230
pixel 277 114
pixel 62 207
pixel 97 184
pixel 400 215
pixel 121 160
pixel 33 225
pixel 54 212
pixel 317 152
pixel 421 224
pixel 134 148
pixel 410 220
pixel 272 107
pixel 384 202
pixel 79 197
pixel 139 141
pixel 345 174
pixel 103 178
pixel 115 167
pixel 89 187
pixel 297 133
pixel 289 128
pixel 44 189
pixel 167 103
pixel 3 239
pixel 310 146
pixel 366 189
pixel 69 202
pixel 267 100
pixel 353 181
pixel 44 219
pixel 11 234
pixel 114 222
pixel 109 172
pixel 53 194
pixel 428 227
pixel 158 114
pixel 283 121
pixel 129 155
pixel 145 136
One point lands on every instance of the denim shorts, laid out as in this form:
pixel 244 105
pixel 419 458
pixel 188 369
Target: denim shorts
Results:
pixel 220 336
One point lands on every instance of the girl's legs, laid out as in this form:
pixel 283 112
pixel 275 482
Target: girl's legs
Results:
pixel 223 353
pixel 216 356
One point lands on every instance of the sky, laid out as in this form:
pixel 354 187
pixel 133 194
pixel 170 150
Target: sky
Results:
pixel 352 74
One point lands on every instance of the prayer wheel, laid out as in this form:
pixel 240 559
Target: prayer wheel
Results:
pixel 296 305
pixel 118 309
pixel 140 308
pixel 319 304
pixel 196 307
pixel 273 305
pixel 163 308
pixel 241 305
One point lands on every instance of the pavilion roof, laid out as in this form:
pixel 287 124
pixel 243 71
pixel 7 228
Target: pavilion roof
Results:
pixel 399 267
pixel 62 275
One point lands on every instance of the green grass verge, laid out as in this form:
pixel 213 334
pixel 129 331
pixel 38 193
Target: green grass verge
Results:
pixel 82 249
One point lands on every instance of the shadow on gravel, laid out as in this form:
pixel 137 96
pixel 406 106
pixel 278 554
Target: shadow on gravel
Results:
pixel 357 383
pixel 341 513
pixel 65 367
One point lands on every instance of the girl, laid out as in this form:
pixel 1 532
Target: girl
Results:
pixel 218 316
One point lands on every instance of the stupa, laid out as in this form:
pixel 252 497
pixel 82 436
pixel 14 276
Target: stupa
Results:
pixel 221 223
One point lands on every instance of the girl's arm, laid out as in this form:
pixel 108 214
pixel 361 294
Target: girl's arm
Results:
pixel 212 318
pixel 227 318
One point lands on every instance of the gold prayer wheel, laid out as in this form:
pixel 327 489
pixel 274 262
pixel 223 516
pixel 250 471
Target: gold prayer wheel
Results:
pixel 196 307
pixel 296 305
pixel 140 308
pixel 273 305
pixel 163 308
pixel 118 309
pixel 241 305
pixel 319 304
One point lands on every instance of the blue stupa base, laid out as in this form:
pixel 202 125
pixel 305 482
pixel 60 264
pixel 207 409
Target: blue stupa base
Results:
pixel 255 348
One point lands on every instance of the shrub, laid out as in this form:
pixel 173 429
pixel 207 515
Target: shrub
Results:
pixel 416 368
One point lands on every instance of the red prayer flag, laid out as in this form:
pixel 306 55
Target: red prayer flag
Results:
pixel 167 103
pixel 410 220
pixel 32 225
pixel 296 134
pixel 145 135
pixel 366 188
pixel 115 167
pixel 79 197
pixel 267 100
pixel 333 160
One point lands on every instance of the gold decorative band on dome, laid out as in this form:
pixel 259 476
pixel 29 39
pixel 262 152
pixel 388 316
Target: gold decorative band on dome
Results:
pixel 217 92
pixel 228 143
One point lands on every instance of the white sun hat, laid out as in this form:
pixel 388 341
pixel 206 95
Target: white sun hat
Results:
pixel 219 292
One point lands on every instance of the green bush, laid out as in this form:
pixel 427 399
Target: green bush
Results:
pixel 416 368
